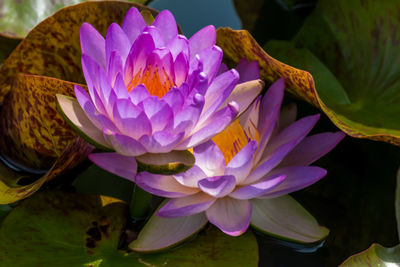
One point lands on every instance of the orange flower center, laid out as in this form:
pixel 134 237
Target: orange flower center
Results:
pixel 156 81
pixel 234 138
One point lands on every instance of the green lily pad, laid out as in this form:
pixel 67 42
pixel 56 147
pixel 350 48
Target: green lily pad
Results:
pixel 358 88
pixel 17 18
pixel 376 255
pixel 67 229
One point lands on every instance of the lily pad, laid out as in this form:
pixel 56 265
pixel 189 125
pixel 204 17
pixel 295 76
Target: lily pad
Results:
pixel 359 88
pixel 52 48
pixel 17 18
pixel 10 189
pixel 74 230
pixel 376 255
pixel 33 133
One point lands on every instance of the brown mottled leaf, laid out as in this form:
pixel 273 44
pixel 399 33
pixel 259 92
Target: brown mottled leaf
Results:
pixel 240 44
pixel 75 153
pixel 33 133
pixel 53 48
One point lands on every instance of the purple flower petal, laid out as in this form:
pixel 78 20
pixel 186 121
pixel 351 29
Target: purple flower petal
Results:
pixel 270 106
pixel 296 131
pixel 161 233
pixel 137 58
pixel 215 124
pixel 181 67
pixel 158 112
pixel 312 148
pixel 270 162
pixel 116 40
pixel 202 39
pixel 162 185
pixel 191 177
pixel 119 87
pixel 174 99
pixel 230 215
pixel 97 119
pixel 131 119
pixel 218 91
pixel 115 163
pixel 179 44
pixel 248 71
pixel 166 24
pixel 161 142
pixel 125 145
pixel 209 158
pixel 115 66
pixel 133 24
pixel 257 189
pixel 211 58
pixel 242 163
pixel 244 94
pixel 189 115
pixel 185 206
pixel 157 36
pixel 218 186
pixel 138 94
pixel 93 44
pixel 296 178
pixel 81 122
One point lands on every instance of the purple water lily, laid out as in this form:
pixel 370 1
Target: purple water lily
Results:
pixel 152 90
pixel 262 156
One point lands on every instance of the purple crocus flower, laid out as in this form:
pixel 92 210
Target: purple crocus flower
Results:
pixel 152 90
pixel 261 156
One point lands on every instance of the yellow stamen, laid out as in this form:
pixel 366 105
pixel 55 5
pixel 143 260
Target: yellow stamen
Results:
pixel 234 138
pixel 157 83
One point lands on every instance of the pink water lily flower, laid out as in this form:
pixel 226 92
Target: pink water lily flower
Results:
pixel 259 157
pixel 152 90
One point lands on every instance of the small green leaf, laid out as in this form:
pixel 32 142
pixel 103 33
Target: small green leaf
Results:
pixel 162 233
pixel 286 219
pixel 176 161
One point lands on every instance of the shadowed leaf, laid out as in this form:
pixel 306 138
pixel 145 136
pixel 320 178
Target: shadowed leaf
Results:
pixel 10 191
pixel 33 133
pixel 75 230
pixel 354 61
pixel 17 18
pixel 53 48
pixel 7 44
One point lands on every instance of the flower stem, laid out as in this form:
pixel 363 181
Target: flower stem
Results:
pixel 140 203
